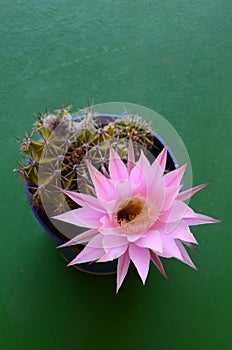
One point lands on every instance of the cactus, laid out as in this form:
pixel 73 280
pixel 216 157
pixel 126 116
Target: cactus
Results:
pixel 59 142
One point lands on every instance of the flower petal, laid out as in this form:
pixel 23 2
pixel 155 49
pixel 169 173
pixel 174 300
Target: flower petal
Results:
pixel 92 252
pixel 173 216
pixel 87 255
pixel 147 181
pixel 81 238
pixel 156 260
pixel 200 219
pixel 96 242
pixel 104 187
pixel 109 206
pixel 191 246
pixel 183 233
pixel 122 268
pixel 123 190
pixel 84 217
pixel 155 186
pixel 140 173
pixel 151 240
pixel 189 193
pixel 111 231
pixel 141 260
pixel 143 163
pixel 173 178
pixel 170 249
pixel 117 168
pixel 137 176
pixel 192 218
pixel 85 200
pixel 106 223
pixel 162 158
pixel 171 193
pixel 185 257
pixel 112 241
pixel 131 156
pixel 133 237
pixel 113 253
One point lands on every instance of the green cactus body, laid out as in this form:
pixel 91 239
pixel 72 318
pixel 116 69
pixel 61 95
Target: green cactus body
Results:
pixel 59 143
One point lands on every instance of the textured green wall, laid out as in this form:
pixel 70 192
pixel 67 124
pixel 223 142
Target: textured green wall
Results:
pixel 172 56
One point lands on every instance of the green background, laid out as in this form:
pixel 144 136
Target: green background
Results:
pixel 172 56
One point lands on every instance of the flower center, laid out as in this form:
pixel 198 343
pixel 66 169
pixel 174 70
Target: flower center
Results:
pixel 134 215
pixel 129 211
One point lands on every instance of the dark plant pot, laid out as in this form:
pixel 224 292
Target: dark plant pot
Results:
pixel 69 253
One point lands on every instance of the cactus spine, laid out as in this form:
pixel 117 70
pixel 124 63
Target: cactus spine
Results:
pixel 75 139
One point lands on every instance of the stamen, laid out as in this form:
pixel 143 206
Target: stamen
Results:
pixel 129 211
pixel 134 215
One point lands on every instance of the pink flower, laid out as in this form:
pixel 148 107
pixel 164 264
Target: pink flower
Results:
pixel 138 215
